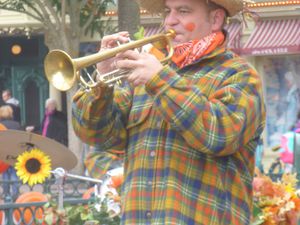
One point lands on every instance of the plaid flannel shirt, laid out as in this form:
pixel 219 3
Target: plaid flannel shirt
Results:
pixel 189 138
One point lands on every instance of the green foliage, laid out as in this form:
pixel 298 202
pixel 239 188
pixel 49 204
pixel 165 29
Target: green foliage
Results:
pixel 96 9
pixel 80 214
pixel 92 213
pixel 52 214
pixel 257 215
pixel 140 34
pixel 16 5
pixel 89 13
pixel 258 222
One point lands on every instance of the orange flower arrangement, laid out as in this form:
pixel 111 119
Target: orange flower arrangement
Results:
pixel 275 203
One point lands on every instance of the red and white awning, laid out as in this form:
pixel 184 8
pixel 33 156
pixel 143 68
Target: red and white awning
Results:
pixel 153 29
pixel 271 37
pixel 234 35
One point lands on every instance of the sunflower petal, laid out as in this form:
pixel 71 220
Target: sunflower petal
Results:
pixel 40 174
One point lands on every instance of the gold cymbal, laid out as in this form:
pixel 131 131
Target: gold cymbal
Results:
pixel 15 142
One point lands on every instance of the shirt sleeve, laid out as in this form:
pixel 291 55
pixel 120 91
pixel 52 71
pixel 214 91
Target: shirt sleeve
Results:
pixel 99 119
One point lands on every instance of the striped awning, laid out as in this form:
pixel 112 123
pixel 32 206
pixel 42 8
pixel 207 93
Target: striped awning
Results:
pixel 271 37
pixel 234 30
pixel 153 29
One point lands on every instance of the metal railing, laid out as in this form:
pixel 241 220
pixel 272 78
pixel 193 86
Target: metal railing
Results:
pixel 72 188
pixel 16 213
pixel 13 213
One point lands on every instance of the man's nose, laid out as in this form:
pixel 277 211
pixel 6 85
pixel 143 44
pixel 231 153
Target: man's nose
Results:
pixel 171 19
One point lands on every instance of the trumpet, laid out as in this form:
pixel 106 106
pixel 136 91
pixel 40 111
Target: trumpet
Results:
pixel 62 71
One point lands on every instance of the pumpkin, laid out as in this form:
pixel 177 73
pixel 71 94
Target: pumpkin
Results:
pixel 28 217
pixel 2 127
pixel 117 180
pixel 3 166
pixel 88 193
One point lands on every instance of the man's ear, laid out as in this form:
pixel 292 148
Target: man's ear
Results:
pixel 217 18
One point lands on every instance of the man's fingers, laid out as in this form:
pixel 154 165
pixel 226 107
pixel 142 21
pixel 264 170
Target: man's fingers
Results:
pixel 110 41
pixel 129 54
pixel 126 63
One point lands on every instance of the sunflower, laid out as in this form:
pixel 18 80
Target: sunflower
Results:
pixel 33 166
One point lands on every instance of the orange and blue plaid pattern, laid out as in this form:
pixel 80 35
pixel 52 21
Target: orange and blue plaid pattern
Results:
pixel 189 137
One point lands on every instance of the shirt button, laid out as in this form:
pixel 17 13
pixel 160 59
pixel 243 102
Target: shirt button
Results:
pixel 152 153
pixel 148 215
pixel 149 182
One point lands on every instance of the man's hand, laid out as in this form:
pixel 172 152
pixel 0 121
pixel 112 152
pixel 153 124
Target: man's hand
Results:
pixel 29 128
pixel 143 66
pixel 108 42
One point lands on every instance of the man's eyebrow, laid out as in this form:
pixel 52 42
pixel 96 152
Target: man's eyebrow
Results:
pixel 180 7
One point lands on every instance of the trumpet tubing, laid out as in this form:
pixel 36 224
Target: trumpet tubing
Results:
pixel 62 71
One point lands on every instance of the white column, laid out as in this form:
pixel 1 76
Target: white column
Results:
pixel 56 94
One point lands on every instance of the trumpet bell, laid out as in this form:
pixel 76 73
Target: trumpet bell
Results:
pixel 60 69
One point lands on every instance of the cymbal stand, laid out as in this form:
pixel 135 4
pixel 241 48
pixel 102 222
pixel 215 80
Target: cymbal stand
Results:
pixel 60 175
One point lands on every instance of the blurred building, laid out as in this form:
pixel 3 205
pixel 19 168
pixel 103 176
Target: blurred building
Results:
pixel 21 63
pixel 273 46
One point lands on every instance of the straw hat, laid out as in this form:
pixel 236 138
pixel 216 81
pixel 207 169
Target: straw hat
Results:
pixel 157 6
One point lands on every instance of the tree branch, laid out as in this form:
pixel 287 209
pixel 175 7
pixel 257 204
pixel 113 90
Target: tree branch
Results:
pixel 89 21
pixel 63 12
pixel 46 16
pixel 82 3
pixel 20 7
pixel 94 11
pixel 51 11
pixel 33 7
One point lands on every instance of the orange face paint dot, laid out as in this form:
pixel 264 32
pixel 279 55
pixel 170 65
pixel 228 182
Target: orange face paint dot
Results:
pixel 190 26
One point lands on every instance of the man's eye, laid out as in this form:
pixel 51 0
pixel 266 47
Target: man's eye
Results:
pixel 167 11
pixel 183 11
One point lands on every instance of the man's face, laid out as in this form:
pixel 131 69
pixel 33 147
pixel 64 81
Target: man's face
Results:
pixel 5 96
pixel 189 18
pixel 50 107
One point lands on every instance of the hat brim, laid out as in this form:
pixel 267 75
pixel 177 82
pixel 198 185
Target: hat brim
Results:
pixel 157 6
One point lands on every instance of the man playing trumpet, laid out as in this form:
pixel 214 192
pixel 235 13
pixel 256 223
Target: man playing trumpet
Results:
pixel 188 129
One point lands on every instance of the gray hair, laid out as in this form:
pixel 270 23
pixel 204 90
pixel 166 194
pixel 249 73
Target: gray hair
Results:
pixel 51 101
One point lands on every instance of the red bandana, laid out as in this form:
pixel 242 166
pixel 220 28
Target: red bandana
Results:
pixel 186 53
